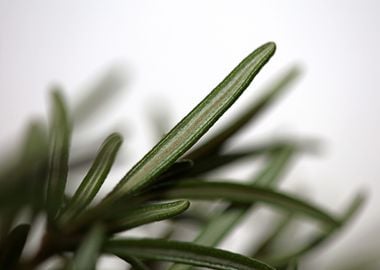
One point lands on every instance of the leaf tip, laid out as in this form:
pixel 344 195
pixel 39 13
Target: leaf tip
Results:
pixel 270 47
pixel 116 137
pixel 183 204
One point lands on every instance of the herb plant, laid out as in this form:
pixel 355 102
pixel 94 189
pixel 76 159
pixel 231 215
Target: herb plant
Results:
pixel 161 186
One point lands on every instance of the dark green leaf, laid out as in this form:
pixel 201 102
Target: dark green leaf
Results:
pixel 58 156
pixel 215 161
pixel 178 168
pixel 24 174
pixel 13 246
pixel 88 252
pixel 135 263
pixel 22 182
pixel 94 178
pixel 213 144
pixel 182 252
pixel 239 193
pixel 147 214
pixel 195 124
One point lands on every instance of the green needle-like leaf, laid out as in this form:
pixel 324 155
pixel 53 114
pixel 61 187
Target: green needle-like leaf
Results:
pixel 148 214
pixel 98 97
pixel 135 263
pixel 87 254
pixel 317 240
pixel 213 144
pixel 191 128
pixel 22 182
pixel 58 156
pixel 13 246
pixel 222 224
pixel 94 178
pixel 239 193
pixel 36 156
pixel 215 161
pixel 182 252
pixel 265 246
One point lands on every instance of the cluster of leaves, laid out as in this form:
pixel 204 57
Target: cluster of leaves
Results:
pixel 159 187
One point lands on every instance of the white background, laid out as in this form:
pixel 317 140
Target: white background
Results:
pixel 177 51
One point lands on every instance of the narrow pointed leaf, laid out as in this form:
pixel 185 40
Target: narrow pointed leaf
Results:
pixel 321 238
pixel 58 156
pixel 22 182
pixel 99 96
pixel 222 224
pixel 37 157
pixel 88 252
pixel 266 245
pixel 215 161
pixel 279 160
pixel 239 193
pixel 18 176
pixel 182 252
pixel 191 128
pixel 148 214
pixel 94 178
pixel 136 264
pixel 13 246
pixel 213 144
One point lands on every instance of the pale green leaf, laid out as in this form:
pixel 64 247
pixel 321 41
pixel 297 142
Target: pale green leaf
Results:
pixel 267 243
pixel 99 96
pixel 321 238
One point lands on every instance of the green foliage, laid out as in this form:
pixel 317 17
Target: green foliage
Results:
pixel 88 251
pixel 164 185
pixel 174 251
pixel 59 143
pixel 94 178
